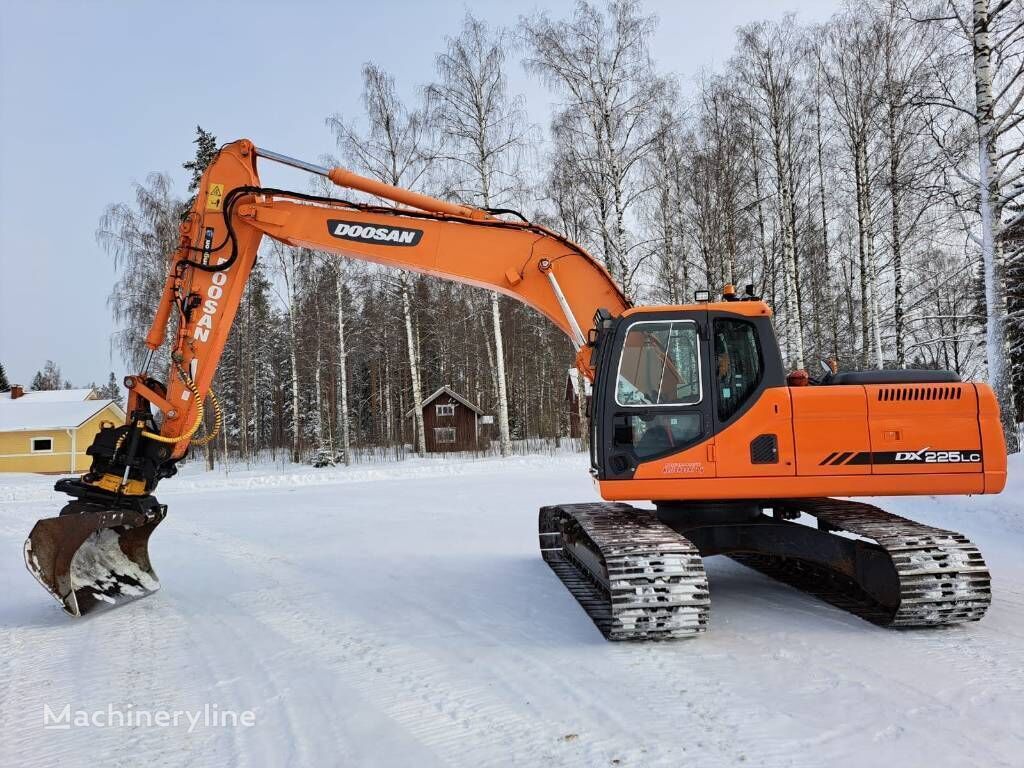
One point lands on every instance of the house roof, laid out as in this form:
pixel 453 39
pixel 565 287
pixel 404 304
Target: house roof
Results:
pixel 25 414
pixel 574 381
pixel 53 396
pixel 446 390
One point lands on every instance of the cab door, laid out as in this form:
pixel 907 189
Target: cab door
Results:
pixel 753 411
pixel 655 417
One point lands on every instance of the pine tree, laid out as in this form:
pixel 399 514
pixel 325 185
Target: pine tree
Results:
pixel 111 390
pixel 4 384
pixel 206 150
pixel 48 378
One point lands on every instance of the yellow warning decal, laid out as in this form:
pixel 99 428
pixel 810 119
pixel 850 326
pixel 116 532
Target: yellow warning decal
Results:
pixel 215 197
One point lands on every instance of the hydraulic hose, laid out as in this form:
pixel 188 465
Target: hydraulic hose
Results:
pixel 200 414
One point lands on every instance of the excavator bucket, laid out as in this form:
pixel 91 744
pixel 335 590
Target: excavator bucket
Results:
pixel 91 558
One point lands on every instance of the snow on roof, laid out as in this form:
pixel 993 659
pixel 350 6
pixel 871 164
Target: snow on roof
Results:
pixel 21 416
pixel 574 378
pixel 452 393
pixel 53 395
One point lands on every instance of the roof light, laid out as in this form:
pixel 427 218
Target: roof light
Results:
pixel 702 297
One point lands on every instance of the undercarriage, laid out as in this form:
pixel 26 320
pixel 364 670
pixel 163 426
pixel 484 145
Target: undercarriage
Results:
pixel 639 573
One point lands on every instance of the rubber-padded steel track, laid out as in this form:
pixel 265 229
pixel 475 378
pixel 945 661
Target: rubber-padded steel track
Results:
pixel 636 577
pixel 942 578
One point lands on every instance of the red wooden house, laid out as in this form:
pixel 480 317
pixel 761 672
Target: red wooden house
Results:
pixel 450 422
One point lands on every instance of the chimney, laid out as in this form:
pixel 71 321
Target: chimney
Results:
pixel 16 391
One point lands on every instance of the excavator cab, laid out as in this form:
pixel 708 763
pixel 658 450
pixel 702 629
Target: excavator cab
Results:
pixel 670 379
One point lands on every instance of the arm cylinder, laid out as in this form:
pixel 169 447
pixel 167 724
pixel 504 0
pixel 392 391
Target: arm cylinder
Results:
pixel 158 328
pixel 351 180
pixel 345 178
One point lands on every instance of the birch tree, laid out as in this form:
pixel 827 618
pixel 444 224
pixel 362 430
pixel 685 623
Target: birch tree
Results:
pixel 600 63
pixel 991 34
pixel 485 130
pixel 767 62
pixel 396 149
pixel 667 175
pixel 853 75
pixel 140 238
pixel 344 430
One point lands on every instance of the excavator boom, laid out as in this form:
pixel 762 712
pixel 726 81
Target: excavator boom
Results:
pixel 692 410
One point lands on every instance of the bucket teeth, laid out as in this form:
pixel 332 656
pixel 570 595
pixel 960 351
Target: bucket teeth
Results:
pixel 91 558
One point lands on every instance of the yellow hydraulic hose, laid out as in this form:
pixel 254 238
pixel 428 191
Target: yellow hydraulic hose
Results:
pixel 218 420
pixel 200 414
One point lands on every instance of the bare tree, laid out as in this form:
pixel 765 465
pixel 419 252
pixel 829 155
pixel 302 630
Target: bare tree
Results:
pixel 396 149
pixel 600 62
pixel 853 75
pixel 768 64
pixel 485 130
pixel 667 174
pixel 992 35
pixel 141 239
pixel 288 261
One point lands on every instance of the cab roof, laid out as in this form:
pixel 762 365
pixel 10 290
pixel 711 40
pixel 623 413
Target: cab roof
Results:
pixel 746 308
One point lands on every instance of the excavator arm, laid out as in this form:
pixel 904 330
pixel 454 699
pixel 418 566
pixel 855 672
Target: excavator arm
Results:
pixel 233 212
pixel 95 553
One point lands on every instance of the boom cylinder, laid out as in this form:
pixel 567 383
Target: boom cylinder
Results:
pixel 351 180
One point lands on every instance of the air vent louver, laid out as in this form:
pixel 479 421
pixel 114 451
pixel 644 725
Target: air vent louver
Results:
pixel 901 393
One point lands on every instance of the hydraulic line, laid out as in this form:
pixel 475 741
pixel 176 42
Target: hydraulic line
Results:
pixel 200 414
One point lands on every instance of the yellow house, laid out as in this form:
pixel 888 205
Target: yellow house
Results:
pixel 49 431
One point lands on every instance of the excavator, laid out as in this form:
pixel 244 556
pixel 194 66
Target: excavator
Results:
pixel 692 414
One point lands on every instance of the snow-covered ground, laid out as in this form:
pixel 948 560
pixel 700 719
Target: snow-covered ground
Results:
pixel 400 615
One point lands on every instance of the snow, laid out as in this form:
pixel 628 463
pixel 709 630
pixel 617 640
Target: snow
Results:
pixel 50 395
pixel 99 559
pixel 16 415
pixel 399 614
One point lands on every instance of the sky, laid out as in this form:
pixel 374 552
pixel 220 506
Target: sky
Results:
pixel 96 95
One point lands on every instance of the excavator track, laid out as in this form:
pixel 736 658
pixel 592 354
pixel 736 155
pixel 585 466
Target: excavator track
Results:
pixel 940 577
pixel 636 577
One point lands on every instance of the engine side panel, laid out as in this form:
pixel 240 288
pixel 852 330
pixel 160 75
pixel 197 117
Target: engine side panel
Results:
pixel 923 429
pixel 830 427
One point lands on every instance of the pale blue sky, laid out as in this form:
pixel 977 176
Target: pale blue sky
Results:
pixel 96 95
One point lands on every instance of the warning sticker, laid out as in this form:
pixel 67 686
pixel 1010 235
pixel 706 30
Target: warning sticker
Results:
pixel 215 197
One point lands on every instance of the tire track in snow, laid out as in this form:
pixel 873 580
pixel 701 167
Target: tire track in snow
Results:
pixel 587 675
pixel 128 660
pixel 459 719
pixel 947 665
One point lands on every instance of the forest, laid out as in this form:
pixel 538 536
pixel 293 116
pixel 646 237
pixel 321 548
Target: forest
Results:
pixel 865 175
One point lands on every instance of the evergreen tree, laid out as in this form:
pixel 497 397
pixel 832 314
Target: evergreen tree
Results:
pixel 4 384
pixel 206 150
pixel 48 378
pixel 111 390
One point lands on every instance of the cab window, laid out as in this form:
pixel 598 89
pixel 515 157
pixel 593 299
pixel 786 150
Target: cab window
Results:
pixel 655 434
pixel 660 365
pixel 739 366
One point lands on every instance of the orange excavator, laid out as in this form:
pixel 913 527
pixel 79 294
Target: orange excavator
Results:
pixel 692 410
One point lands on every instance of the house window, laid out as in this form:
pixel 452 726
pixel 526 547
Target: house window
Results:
pixel 42 445
pixel 447 409
pixel 443 435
